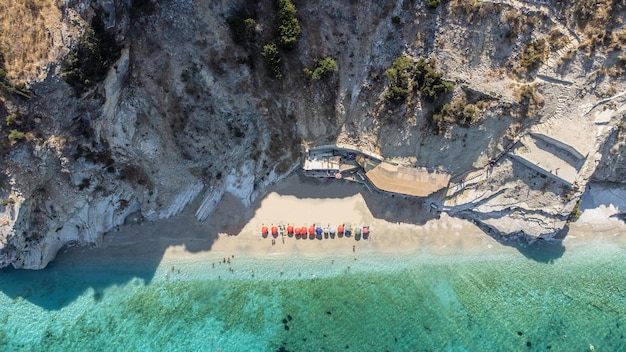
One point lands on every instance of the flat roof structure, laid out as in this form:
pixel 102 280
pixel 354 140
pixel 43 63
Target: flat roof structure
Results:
pixel 322 162
pixel 417 182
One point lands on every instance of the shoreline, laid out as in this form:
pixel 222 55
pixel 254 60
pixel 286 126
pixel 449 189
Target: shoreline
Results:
pixel 401 229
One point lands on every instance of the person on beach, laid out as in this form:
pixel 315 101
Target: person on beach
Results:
pixel 353 248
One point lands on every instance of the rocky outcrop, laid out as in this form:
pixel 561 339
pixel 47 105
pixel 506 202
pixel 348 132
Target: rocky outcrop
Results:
pixel 190 111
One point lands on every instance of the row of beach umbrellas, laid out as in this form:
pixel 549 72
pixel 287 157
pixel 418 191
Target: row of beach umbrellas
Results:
pixel 313 230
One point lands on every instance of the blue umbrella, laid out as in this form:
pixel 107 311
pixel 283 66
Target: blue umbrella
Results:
pixel 318 230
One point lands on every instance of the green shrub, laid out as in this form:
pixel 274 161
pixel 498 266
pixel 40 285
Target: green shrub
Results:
pixel 16 135
pixel 428 81
pixel 324 68
pixel 272 59
pixel 288 25
pixel 11 119
pixel 434 3
pixel 89 61
pixel 399 75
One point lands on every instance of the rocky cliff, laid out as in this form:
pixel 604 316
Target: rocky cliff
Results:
pixel 190 106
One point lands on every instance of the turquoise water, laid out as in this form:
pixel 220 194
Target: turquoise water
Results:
pixel 503 302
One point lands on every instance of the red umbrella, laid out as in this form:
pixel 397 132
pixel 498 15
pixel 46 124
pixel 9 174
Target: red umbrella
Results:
pixel 264 230
pixel 289 229
pixel 297 231
pixel 340 228
pixel 274 230
pixel 311 230
pixel 303 230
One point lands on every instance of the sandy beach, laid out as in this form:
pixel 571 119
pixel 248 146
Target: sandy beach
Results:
pixel 399 228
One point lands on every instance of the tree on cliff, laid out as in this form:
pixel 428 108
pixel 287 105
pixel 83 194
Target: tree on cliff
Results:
pixel 288 25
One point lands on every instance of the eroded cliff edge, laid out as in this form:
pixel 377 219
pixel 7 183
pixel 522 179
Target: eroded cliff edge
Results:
pixel 191 109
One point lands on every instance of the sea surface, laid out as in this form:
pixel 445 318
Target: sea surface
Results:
pixel 506 301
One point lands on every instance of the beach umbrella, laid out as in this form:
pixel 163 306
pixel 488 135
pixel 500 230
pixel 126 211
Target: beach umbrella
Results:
pixel 311 230
pixel 274 230
pixel 340 228
pixel 332 230
pixel 366 230
pixel 289 229
pixel 297 231
pixel 357 231
pixel 264 230
pixel 318 230
pixel 303 230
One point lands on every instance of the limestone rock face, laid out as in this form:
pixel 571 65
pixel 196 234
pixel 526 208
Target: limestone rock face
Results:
pixel 190 110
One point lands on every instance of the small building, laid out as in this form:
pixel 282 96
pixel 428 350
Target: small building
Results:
pixel 322 165
pixel 410 181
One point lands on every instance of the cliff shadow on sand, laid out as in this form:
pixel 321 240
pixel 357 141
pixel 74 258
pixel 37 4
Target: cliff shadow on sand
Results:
pixel 387 207
pixel 130 254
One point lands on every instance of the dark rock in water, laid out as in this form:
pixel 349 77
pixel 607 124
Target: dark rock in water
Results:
pixel 286 327
pixel 519 333
pixel 304 339
pixel 395 339
pixel 347 346
pixel 528 343
pixel 289 317
pixel 284 321
pixel 325 335
pixel 549 347
pixel 282 348
pixel 328 312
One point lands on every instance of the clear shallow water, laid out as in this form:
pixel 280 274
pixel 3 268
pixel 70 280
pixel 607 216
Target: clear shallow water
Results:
pixel 498 302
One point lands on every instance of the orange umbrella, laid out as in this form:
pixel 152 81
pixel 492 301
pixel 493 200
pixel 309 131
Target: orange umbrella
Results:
pixel 264 230
pixel 289 229
pixel 303 230
pixel 311 230
pixel 274 230
pixel 340 228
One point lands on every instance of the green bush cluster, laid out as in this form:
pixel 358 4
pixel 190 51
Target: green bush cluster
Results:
pixel 288 25
pixel 324 68
pixel 273 60
pixel 421 74
pixel 89 61
pixel 430 81
pixel 399 76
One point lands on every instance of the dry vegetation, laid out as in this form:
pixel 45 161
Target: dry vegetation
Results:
pixel 529 100
pixel 27 29
pixel 600 21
